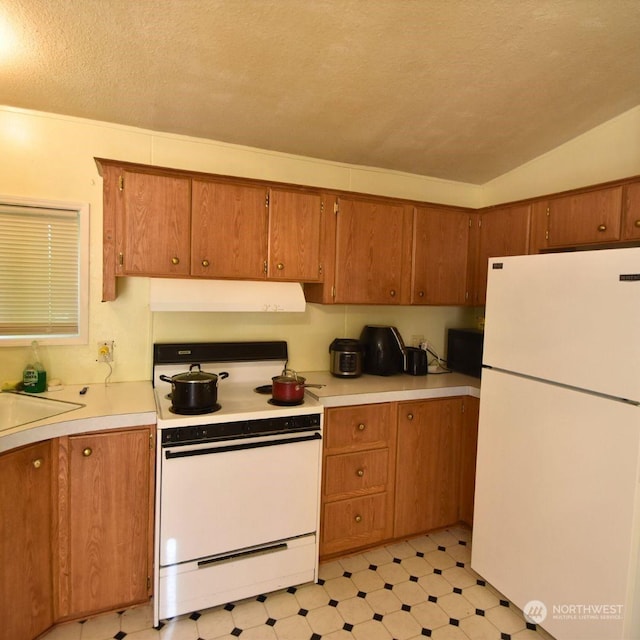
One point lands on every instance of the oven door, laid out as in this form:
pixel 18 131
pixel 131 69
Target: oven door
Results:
pixel 231 495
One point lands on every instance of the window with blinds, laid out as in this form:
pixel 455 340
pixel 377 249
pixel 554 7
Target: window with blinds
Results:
pixel 43 272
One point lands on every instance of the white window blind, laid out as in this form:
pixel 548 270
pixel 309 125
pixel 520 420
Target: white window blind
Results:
pixel 40 271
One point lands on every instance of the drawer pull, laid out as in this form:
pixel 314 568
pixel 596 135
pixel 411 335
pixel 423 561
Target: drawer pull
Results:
pixel 87 452
pixel 362 427
pixel 421 294
pixel 392 293
pixel 602 227
pixel 37 463
pixel 409 416
pixel 637 223
pixel 175 260
pixel 280 266
pixel 360 473
pixel 358 518
pixel 205 263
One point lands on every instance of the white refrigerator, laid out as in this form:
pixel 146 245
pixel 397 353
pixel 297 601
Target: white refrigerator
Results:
pixel 557 503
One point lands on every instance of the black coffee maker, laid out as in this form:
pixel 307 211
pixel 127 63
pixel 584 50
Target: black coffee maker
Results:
pixel 384 350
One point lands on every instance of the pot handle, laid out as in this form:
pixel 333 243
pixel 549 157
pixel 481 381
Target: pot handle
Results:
pixel 223 374
pixel 165 378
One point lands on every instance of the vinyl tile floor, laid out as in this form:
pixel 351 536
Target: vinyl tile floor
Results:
pixel 423 587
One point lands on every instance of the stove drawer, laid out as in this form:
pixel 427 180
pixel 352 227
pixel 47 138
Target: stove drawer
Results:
pixel 194 586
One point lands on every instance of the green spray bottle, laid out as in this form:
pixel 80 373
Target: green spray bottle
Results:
pixel 34 377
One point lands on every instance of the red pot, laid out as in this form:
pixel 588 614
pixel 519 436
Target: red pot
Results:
pixel 289 387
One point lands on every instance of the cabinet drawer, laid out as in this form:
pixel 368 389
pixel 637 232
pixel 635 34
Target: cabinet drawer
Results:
pixel 353 523
pixel 353 473
pixel 360 426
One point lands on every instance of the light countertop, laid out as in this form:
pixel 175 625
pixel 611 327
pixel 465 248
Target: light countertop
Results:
pixel 340 392
pixel 116 405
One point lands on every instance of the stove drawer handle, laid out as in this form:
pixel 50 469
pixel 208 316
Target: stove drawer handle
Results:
pixel 238 447
pixel 230 557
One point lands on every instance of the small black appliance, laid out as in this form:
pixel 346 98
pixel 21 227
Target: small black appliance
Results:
pixel 384 351
pixel 464 351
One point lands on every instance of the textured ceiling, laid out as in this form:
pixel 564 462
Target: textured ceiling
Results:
pixel 458 89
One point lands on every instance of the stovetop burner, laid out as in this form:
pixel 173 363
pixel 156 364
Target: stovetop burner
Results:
pixel 195 412
pixel 285 403
pixel 265 389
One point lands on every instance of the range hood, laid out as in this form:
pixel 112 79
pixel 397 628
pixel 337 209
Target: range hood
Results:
pixel 168 294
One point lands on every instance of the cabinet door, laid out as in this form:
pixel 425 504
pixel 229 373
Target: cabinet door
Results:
pixel 468 448
pixel 440 250
pixel 295 223
pixel 631 216
pixel 26 594
pixel 503 232
pixel 372 252
pixel 106 534
pixel 229 230
pixel 585 218
pixel 155 233
pixel 427 465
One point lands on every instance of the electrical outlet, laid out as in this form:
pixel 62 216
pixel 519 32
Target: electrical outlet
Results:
pixel 105 351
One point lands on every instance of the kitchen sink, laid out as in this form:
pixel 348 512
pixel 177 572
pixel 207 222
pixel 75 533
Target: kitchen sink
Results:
pixel 21 408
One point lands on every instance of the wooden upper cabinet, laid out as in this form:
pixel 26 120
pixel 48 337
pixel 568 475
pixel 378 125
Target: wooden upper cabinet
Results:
pixel 440 252
pixel 373 252
pixel 585 218
pixel 503 231
pixel 631 215
pixel 295 226
pixel 228 230
pixel 156 225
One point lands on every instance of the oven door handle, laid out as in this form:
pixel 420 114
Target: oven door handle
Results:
pixel 185 453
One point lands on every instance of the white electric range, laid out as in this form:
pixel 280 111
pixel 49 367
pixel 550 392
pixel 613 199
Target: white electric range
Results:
pixel 238 489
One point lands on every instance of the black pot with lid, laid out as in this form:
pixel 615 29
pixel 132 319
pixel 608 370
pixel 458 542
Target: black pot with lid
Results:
pixel 346 358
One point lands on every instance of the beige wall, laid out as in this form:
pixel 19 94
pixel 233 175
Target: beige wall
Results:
pixel 48 156
pixel 608 152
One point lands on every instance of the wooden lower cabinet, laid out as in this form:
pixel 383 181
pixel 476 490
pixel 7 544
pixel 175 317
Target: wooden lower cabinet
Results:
pixel 428 465
pixel 395 470
pixel 468 449
pixel 358 477
pixel 26 593
pixel 104 521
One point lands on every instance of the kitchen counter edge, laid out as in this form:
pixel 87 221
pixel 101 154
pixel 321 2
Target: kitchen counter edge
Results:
pixel 369 389
pixel 117 405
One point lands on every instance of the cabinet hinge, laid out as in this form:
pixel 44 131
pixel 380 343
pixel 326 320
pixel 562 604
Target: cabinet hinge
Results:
pixel 470 223
pixel 336 208
pixel 548 211
pixel 463 406
pixel 121 183
pixel 546 234
pixel 320 269
pixel 265 266
pixel 479 222
pixel 266 200
pixel 333 291
pixel 121 259
pixel 322 206
pixel 148 582
pixel 151 441
pixel 466 295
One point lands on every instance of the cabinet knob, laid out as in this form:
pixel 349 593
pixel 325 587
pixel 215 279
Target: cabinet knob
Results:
pixel 360 473
pixel 602 227
pixel 175 260
pixel 358 518
pixel 362 426
pixel 279 266
pixel 421 294
pixel 409 416
pixel 87 451
pixel 637 223
pixel 37 463
pixel 205 263
pixel 392 293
